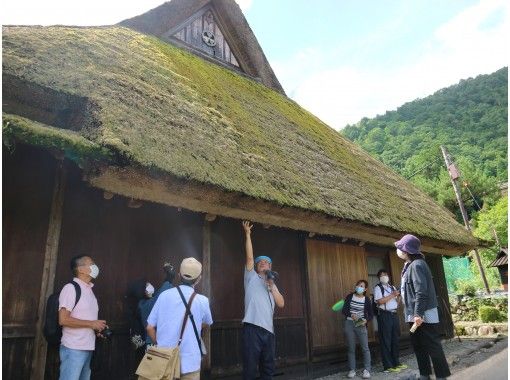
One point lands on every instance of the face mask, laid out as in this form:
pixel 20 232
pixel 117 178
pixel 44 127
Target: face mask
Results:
pixel 149 289
pixel 401 254
pixel 94 271
pixel 385 279
pixel 360 289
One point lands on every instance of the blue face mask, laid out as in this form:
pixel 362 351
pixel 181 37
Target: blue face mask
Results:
pixel 360 289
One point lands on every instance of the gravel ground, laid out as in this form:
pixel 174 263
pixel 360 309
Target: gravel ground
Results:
pixel 468 352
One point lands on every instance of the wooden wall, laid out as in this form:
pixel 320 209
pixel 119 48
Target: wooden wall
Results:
pixel 127 244
pixel 28 176
pixel 192 35
pixel 333 269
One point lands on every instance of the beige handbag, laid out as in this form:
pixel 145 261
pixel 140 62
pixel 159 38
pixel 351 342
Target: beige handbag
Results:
pixel 160 364
pixel 163 363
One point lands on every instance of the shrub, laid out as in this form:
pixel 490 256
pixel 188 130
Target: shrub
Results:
pixel 466 288
pixel 489 314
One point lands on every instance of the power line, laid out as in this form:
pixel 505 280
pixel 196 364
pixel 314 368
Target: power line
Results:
pixel 423 168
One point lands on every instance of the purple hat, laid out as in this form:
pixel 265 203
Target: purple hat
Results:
pixel 409 244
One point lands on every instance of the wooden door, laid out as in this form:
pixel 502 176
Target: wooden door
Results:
pixel 333 269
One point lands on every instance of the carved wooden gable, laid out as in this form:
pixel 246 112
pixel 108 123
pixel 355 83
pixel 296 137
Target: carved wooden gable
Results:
pixel 203 32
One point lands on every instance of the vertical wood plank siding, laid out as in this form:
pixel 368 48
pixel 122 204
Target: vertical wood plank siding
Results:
pixel 333 270
pixel 127 244
pixel 28 176
pixel 192 35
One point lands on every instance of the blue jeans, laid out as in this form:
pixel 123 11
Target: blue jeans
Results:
pixel 74 364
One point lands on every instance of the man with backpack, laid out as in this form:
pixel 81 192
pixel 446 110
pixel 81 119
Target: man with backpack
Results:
pixel 386 299
pixel 77 314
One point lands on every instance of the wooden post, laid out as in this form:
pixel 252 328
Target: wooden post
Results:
pixel 206 288
pixel 448 162
pixel 49 269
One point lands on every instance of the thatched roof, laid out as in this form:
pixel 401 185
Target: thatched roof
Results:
pixel 501 259
pixel 146 106
pixel 241 38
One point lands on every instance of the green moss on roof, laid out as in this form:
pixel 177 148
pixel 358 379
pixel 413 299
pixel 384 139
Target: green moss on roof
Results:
pixel 75 147
pixel 169 110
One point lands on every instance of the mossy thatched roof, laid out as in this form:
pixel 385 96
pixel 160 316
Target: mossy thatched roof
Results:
pixel 161 108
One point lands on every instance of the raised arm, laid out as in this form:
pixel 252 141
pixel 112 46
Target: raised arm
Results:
pixel 247 226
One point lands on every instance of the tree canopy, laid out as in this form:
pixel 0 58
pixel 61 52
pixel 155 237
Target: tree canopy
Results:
pixel 469 118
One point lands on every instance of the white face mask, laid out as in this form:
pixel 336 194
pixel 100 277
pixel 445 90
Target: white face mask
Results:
pixel 149 289
pixel 384 279
pixel 401 254
pixel 94 271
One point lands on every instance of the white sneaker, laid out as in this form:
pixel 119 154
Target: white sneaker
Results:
pixel 366 374
pixel 351 374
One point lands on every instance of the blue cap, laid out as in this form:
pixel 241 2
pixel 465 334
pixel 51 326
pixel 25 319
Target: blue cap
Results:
pixel 257 259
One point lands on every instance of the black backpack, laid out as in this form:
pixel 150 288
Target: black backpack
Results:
pixel 52 329
pixel 375 307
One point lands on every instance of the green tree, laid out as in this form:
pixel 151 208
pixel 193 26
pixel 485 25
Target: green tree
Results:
pixel 470 118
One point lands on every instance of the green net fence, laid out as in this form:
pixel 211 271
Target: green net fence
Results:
pixel 456 269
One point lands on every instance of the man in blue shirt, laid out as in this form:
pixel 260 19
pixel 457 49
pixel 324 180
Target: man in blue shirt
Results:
pixel 166 318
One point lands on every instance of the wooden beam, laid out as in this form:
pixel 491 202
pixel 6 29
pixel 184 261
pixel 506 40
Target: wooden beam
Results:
pixel 210 217
pixel 15 330
pixel 174 192
pixel 206 289
pixel 49 269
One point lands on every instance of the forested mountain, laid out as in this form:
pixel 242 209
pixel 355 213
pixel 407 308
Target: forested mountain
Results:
pixel 469 118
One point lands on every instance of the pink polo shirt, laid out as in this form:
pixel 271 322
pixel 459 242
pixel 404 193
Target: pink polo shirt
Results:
pixel 86 309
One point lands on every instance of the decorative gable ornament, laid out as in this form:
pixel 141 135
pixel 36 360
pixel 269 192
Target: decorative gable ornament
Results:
pixel 203 32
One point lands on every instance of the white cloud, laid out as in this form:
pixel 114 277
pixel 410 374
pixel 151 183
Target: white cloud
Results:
pixel 72 12
pixel 472 43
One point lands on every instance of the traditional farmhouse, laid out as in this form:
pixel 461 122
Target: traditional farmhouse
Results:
pixel 150 141
pixel 501 262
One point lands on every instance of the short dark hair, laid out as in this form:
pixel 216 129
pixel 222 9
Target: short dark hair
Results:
pixel 169 272
pixel 381 271
pixel 76 261
pixel 185 281
pixel 415 257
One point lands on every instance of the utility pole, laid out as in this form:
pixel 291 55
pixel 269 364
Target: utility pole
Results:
pixel 454 175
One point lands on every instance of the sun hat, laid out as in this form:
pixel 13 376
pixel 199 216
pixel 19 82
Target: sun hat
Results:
pixel 409 244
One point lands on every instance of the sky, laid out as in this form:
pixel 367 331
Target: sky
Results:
pixel 340 59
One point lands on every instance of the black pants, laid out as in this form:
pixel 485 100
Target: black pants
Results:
pixel 427 345
pixel 258 350
pixel 389 330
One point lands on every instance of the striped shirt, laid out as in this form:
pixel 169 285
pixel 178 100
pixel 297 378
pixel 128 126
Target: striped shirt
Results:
pixel 357 306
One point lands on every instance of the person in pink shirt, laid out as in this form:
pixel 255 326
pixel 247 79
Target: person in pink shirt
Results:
pixel 79 322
